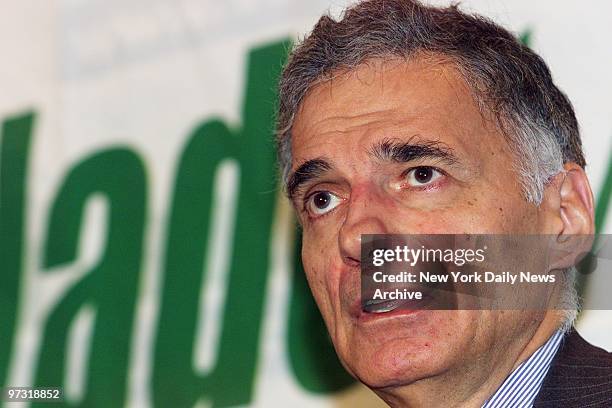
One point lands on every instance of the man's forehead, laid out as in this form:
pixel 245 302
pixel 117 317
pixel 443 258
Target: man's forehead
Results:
pixel 399 98
pixel 373 84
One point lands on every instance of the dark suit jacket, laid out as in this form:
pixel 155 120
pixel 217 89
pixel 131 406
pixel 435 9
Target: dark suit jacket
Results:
pixel 580 376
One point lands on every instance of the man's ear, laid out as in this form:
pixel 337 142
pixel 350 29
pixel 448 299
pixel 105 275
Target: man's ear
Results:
pixel 576 209
pixel 568 204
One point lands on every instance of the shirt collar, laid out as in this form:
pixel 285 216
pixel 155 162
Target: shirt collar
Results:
pixel 523 384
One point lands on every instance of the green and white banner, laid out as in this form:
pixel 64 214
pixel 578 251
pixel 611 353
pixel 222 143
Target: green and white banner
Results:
pixel 147 255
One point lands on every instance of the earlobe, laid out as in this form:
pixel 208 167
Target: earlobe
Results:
pixel 576 208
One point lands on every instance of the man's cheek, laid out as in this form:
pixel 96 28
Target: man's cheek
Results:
pixel 323 272
pixel 315 273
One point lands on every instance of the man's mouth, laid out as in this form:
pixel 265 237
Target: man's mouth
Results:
pixel 381 305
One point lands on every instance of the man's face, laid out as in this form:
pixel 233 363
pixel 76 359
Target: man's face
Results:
pixel 401 147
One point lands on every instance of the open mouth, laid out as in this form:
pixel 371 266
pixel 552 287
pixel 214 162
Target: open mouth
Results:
pixel 404 296
pixel 370 305
pixel 381 305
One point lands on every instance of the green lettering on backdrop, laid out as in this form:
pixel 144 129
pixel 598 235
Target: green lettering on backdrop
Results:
pixel 14 148
pixel 110 286
pixel 230 382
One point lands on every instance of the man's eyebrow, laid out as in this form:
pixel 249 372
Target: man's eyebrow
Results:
pixel 402 152
pixel 307 171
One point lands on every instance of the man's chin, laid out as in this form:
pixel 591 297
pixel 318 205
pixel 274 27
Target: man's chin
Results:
pixel 400 348
pixel 395 362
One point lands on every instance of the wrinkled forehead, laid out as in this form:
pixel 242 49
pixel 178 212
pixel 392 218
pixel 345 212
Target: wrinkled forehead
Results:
pixel 396 98
pixel 379 79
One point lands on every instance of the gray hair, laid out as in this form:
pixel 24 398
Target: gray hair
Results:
pixel 569 303
pixel 507 78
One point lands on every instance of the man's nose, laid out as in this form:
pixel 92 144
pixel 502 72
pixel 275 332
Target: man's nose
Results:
pixel 367 214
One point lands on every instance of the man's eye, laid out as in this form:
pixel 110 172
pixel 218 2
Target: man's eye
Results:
pixel 422 176
pixel 322 202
